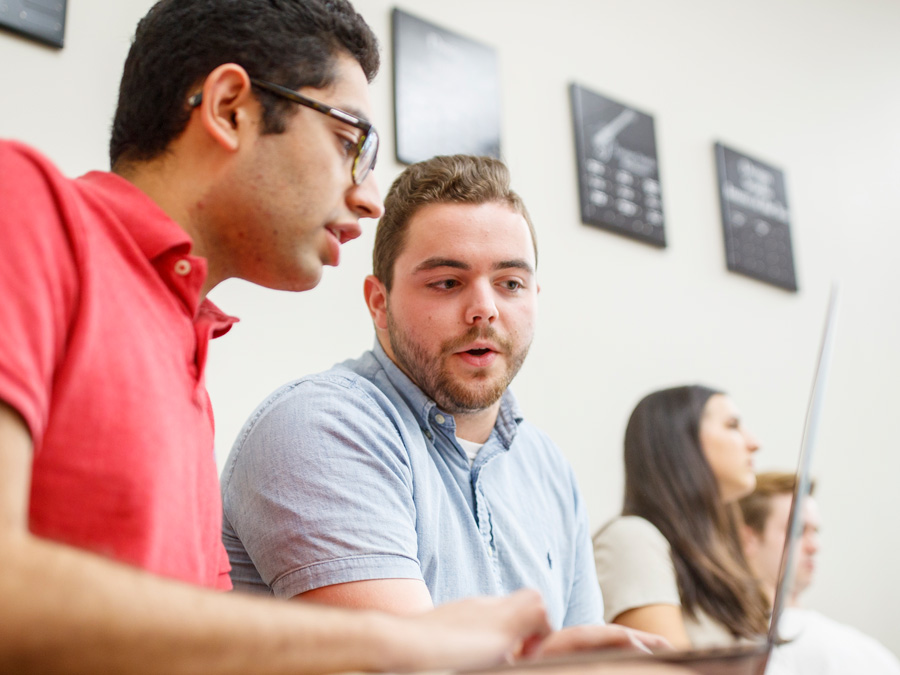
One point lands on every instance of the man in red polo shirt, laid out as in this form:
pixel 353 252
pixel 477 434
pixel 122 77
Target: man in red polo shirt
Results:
pixel 240 148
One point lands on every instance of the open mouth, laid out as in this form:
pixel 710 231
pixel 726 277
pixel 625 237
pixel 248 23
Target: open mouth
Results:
pixel 478 352
pixel 478 357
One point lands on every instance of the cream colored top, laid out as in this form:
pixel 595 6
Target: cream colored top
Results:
pixel 635 569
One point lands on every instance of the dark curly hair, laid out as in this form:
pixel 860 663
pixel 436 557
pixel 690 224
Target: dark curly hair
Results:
pixel 179 42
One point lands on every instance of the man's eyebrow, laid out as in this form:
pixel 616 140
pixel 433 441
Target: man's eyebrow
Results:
pixel 434 263
pixel 437 262
pixel 517 263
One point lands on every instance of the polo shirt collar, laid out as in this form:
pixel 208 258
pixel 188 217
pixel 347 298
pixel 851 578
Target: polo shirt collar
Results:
pixel 162 241
pixel 508 418
pixel 152 229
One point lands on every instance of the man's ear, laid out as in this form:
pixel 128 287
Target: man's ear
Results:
pixel 376 300
pixel 228 110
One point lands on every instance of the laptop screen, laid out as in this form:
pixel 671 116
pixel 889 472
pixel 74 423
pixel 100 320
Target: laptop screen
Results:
pixel 810 433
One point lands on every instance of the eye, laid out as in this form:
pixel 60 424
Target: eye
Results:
pixel 444 284
pixel 349 145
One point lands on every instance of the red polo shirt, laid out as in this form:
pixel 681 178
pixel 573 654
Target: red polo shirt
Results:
pixel 103 341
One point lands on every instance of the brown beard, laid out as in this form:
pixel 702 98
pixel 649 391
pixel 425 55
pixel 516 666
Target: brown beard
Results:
pixel 432 377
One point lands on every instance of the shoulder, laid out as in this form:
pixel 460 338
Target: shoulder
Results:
pixel 631 532
pixel 336 413
pixel 43 211
pixel 631 547
pixel 538 445
pixel 536 440
pixel 819 644
pixel 13 153
pixel 27 174
pixel 27 189
pixel 634 566
pixel 334 390
pixel 533 453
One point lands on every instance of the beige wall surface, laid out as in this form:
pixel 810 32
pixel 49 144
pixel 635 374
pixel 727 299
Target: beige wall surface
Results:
pixel 808 86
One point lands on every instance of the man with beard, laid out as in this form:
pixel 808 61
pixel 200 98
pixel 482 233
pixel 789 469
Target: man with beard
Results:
pixel 408 477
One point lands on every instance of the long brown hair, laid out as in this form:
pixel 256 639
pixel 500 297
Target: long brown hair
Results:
pixel 669 483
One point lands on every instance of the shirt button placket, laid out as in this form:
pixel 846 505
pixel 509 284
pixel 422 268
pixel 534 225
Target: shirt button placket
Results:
pixel 485 526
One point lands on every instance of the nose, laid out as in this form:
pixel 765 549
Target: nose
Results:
pixel 481 305
pixel 811 542
pixel 750 440
pixel 364 200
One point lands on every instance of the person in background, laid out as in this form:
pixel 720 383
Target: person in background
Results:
pixel 409 477
pixel 817 645
pixel 671 564
pixel 241 147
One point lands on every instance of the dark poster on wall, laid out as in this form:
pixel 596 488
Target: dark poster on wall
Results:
pixel 755 218
pixel 41 20
pixel 618 170
pixel 446 92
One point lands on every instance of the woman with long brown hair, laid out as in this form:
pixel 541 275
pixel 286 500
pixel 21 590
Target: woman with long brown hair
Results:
pixel 672 564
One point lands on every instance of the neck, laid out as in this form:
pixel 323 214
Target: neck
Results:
pixel 769 591
pixel 477 426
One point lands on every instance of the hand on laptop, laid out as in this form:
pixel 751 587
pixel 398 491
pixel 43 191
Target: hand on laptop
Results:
pixel 587 638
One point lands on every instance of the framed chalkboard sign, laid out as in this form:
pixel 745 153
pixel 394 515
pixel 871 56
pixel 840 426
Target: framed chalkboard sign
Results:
pixel 446 92
pixel 755 218
pixel 41 20
pixel 618 170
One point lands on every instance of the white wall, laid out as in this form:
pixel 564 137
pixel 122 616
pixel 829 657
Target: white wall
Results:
pixel 810 86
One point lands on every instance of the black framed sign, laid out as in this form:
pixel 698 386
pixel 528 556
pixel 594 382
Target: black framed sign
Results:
pixel 446 92
pixel 618 170
pixel 41 20
pixel 755 218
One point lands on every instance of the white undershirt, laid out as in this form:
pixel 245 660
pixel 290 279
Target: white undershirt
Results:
pixel 470 448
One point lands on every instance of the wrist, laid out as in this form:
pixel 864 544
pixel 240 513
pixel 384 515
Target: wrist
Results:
pixel 383 643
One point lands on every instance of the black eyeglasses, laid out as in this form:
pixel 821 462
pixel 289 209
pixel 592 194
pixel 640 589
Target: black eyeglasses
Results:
pixel 366 147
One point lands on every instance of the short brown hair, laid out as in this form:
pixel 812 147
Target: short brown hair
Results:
pixel 451 179
pixel 757 506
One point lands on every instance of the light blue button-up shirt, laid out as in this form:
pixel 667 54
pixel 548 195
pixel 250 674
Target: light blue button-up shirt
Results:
pixel 355 474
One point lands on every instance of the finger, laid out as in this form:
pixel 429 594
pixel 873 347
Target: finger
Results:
pixel 528 609
pixel 652 640
pixel 530 647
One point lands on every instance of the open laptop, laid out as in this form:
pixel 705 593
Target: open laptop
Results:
pixel 745 659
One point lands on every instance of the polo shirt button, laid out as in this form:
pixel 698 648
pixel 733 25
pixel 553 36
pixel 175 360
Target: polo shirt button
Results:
pixel 428 435
pixel 183 267
pixel 439 419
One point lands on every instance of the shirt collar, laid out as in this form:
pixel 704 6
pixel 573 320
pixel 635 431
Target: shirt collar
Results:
pixel 508 418
pixel 152 229
pixel 162 241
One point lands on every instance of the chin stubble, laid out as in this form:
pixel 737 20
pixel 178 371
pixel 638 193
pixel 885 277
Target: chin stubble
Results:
pixel 434 378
